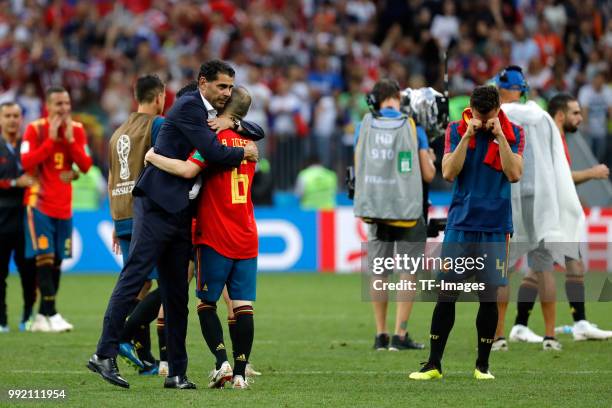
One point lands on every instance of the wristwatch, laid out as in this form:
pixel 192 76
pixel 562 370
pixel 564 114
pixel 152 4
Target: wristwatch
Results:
pixel 236 124
pixel 13 182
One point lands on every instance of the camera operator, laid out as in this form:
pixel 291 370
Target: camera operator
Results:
pixel 391 161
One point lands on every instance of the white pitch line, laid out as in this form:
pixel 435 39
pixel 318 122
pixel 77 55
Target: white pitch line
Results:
pixel 310 341
pixel 371 372
pixel 334 372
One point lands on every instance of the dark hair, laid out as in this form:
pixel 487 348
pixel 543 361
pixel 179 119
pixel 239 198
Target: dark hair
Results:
pixel 384 89
pixel 54 89
pixel 8 103
pixel 239 103
pixel 559 102
pixel 147 88
pixel 211 69
pixel 312 159
pixel 190 87
pixel 484 99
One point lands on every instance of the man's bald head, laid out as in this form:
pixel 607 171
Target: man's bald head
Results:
pixel 238 104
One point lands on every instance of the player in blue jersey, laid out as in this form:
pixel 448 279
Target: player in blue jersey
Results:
pixel 482 157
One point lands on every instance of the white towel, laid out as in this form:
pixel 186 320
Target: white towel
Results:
pixel 558 218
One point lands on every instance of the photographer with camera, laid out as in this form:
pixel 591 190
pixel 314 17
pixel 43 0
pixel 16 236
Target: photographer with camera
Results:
pixel 392 159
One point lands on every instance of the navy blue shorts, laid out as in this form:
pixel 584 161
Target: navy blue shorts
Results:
pixel 214 271
pixel 47 235
pixel 124 243
pixel 488 250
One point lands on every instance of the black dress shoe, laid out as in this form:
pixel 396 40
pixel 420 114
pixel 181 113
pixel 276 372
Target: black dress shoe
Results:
pixel 180 382
pixel 107 368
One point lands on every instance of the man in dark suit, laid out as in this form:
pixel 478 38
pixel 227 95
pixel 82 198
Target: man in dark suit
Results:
pixel 161 231
pixel 12 213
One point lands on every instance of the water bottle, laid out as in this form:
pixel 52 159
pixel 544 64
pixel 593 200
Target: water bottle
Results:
pixel 563 329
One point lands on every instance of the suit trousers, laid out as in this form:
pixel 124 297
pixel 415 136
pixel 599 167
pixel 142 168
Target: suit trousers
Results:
pixel 163 239
pixel 14 243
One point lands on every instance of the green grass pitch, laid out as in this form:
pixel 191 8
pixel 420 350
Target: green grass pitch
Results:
pixel 313 338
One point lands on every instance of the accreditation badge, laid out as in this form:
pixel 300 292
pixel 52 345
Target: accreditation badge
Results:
pixel 404 162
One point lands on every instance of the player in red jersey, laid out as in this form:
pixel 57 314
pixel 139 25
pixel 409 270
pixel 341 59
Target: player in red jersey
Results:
pixel 226 245
pixel 50 147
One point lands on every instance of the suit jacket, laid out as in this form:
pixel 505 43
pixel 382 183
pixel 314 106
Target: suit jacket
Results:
pixel 11 198
pixel 184 130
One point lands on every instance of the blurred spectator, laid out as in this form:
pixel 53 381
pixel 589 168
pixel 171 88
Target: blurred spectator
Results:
pixel 300 88
pixel 117 100
pixel 538 74
pixel 97 49
pixel 322 79
pixel 352 106
pixel 361 10
pixel 30 102
pixel 524 48
pixel 288 131
pixel 596 101
pixel 263 184
pixel 258 112
pixel 548 42
pixel 558 83
pixel 89 190
pixel 460 67
pixel 324 129
pixel 595 65
pixel 316 186
pixel 445 27
pixel 555 15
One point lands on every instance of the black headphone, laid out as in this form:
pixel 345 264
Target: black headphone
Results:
pixel 503 77
pixel 373 99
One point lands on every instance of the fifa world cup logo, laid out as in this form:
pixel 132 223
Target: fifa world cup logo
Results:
pixel 123 150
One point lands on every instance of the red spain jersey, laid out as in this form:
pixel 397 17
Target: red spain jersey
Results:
pixel 225 219
pixel 46 160
pixel 566 149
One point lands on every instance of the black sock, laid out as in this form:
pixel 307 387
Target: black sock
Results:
pixel 135 302
pixel 57 273
pixel 442 322
pixel 212 331
pixel 245 332
pixel 127 333
pixel 161 338
pixel 231 325
pixel 142 343
pixel 144 313
pixel 575 296
pixel 527 295
pixel 47 289
pixel 27 273
pixel 486 323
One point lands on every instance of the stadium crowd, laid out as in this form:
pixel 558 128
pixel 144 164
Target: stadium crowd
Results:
pixel 306 63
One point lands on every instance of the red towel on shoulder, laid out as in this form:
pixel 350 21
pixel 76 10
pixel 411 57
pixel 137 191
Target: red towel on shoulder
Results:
pixel 492 157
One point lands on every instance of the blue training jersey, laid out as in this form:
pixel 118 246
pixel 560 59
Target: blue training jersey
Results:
pixel 481 194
